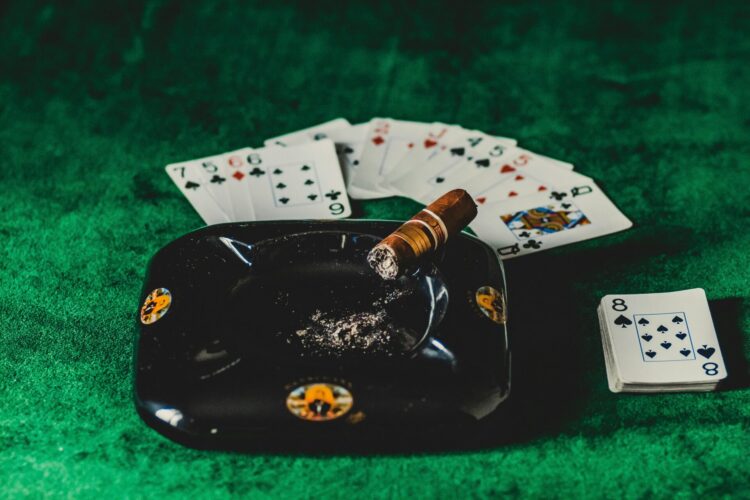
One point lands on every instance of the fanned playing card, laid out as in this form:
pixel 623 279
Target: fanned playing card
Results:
pixel 190 179
pixel 315 133
pixel 548 219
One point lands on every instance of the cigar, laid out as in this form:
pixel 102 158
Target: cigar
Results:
pixel 423 234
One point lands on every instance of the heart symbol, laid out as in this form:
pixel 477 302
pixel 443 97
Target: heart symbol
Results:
pixel 428 143
pixel 506 169
pixel 481 200
pixel 646 337
pixel 706 351
pixel 411 145
pixel 681 335
pixel 665 345
pixel 439 180
pixel 512 194
pixel 378 140
pixel 685 352
pixel 542 188
pixel 650 353
pixel 519 177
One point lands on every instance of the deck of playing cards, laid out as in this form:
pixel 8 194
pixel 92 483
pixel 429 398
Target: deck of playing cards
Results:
pixel 660 342
pixel 527 202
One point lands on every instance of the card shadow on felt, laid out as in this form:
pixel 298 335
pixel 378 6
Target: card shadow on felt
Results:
pixel 727 318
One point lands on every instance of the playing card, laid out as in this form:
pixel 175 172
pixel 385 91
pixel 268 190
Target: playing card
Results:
pixel 454 167
pixel 191 183
pixel 237 167
pixel 517 173
pixel 386 142
pixel 349 144
pixel 315 132
pixel 664 340
pixel 296 182
pixel 548 219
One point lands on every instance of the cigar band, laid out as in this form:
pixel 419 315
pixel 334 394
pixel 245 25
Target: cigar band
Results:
pixel 417 239
pixel 440 222
pixel 430 229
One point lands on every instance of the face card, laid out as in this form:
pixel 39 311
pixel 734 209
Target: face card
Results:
pixel 193 186
pixel 548 219
pixel 663 338
pixel 315 133
pixel 386 142
pixel 296 182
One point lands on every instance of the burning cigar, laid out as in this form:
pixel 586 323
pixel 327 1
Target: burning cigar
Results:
pixel 422 234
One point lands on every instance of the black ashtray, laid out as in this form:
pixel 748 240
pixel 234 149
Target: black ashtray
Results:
pixel 280 331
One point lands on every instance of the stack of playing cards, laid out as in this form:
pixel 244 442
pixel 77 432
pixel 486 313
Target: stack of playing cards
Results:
pixel 527 202
pixel 660 342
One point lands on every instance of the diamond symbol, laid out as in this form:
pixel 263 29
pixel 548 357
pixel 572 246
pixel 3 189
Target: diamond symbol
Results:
pixel 378 140
pixel 238 175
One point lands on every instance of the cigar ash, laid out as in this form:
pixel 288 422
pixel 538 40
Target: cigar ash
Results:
pixel 383 261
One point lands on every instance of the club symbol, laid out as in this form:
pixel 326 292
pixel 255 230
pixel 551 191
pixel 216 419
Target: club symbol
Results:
pixel 192 185
pixel 458 151
pixel 312 197
pixel 238 175
pixel 623 321
pixel 309 182
pixel 217 179
pixel 557 195
pixel 278 171
pixel 677 320
pixel 333 195
pixel 280 185
pixel 525 234
pixel 284 200
pixel 706 351
pixel 536 245
pixel 305 168
pixel 484 163
pixel 257 172
pixel 666 345
pixel 662 329
pixel 685 352
pixel 643 322
pixel 647 337
pixel 681 335
pixel 566 205
pixel 650 354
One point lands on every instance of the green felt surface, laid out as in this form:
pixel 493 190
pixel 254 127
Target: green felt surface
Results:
pixel 649 98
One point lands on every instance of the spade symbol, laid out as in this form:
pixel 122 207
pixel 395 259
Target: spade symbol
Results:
pixel 483 163
pixel 662 329
pixel 650 354
pixel 312 196
pixel 665 345
pixel 217 179
pixel 257 172
pixel 647 337
pixel 280 185
pixel 334 195
pixel 677 320
pixel 566 205
pixel 284 200
pixel 278 171
pixel 440 180
pixel 305 168
pixel 458 151
pixel 192 185
pixel 309 182
pixel 643 322
pixel 623 321
pixel 706 351
pixel 681 335
pixel 685 352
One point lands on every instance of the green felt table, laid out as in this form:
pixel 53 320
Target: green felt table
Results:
pixel 651 99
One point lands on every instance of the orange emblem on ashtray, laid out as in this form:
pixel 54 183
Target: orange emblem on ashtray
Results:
pixel 492 303
pixel 319 402
pixel 155 306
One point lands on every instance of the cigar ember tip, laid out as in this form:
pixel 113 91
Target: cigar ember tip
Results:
pixel 383 260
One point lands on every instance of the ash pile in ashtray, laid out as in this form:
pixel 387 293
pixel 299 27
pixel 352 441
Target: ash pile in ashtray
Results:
pixel 372 331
